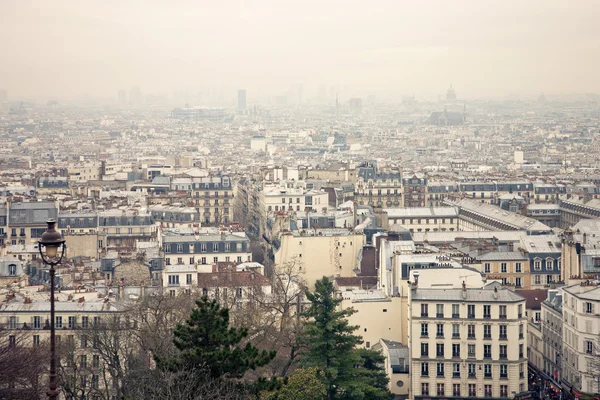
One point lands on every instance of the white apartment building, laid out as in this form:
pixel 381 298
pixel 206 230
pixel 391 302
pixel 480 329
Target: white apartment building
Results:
pixel 467 343
pixel 581 342
pixel 292 196
pixel 424 219
pixel 188 253
pixel 552 336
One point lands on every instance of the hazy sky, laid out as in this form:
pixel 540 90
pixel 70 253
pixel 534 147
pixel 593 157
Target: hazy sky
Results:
pixel 485 48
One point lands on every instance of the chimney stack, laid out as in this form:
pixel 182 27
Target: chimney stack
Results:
pixel 464 290
pixel 495 292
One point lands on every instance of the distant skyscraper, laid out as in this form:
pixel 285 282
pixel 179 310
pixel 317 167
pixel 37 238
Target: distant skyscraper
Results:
pixel 122 99
pixel 451 94
pixel 3 95
pixel 242 101
pixel 135 96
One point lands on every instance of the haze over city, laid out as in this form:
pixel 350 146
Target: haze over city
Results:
pixel 67 49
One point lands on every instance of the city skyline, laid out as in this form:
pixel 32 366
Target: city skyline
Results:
pixel 500 49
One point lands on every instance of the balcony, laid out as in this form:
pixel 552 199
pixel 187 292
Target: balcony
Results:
pixel 472 337
pixel 502 316
pixel 503 356
pixel 502 337
pixel 487 316
pixel 471 375
pixel 488 376
pixel 440 374
pixel 503 376
pixel 470 315
pixel 424 315
pixel 456 374
pixel 439 315
pixel 455 315
pixel 488 336
pixel 487 356
pixel 456 336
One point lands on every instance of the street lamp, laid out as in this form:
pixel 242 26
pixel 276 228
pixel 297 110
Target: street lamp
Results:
pixel 48 245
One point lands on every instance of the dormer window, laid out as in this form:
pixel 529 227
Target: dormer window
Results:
pixel 12 270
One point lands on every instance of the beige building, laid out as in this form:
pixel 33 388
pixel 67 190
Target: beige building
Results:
pixel 511 268
pixel 581 324
pixel 459 342
pixel 377 316
pixel 423 219
pixel 396 366
pixel 323 252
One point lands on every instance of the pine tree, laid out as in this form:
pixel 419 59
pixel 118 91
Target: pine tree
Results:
pixel 205 341
pixel 348 373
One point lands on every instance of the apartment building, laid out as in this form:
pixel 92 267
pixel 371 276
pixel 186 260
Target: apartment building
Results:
pixel 552 337
pixel 423 219
pixel 415 190
pixel 510 267
pixel 187 253
pixel 379 188
pixel 124 228
pixel 27 221
pixel 175 217
pixel 459 343
pixel 575 208
pixel 547 193
pixel 213 197
pixel 437 192
pixel 321 252
pixel 581 344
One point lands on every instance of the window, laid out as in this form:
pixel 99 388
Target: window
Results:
pixel 537 264
pixel 521 370
pixel 456 389
pixel 503 390
pixel 439 310
pixel 424 310
pixel 549 264
pixel 192 260
pixel 503 352
pixel 439 332
pixel 471 311
pixel 227 246
pixel 456 370
pixel 424 349
pixel 487 268
pixel 455 311
pixel 173 279
pixel 215 260
pixel 487 351
pixel 96 361
pixel 424 330
pixel 58 323
pixel 456 350
pixel 94 381
pixel 425 389
pixel 36 340
pixel 83 361
pixel 487 370
pixel 487 390
pixel 239 292
pixel 12 322
pixel 439 370
pixel 439 350
pixel 84 341
pixel 521 354
pixel 472 390
pixel 12 340
pixel 203 260
pixel 203 247
pixel 168 261
pixel 503 268
pixel 502 334
pixel 179 260
pixel 85 322
pixel 188 279
pixel 440 389
pixel 520 313
pixel 487 331
pixel 455 331
pixel 180 248
pixel 521 331
pixel 424 369
pixel 537 279
pixel 215 247
pixel 471 370
pixel 471 351
pixel 589 347
pixel 518 267
pixel 503 312
pixel 239 259
pixel 487 311
pixel 471 331
pixel 37 322
pixel 589 308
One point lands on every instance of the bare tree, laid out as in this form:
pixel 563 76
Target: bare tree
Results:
pixel 23 365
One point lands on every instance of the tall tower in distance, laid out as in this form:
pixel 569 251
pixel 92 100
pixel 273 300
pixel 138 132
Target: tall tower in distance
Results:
pixel 451 95
pixel 242 101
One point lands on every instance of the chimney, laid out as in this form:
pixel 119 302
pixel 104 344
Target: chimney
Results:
pixel 251 276
pixel 495 292
pixel 416 276
pixel 464 290
pixel 584 239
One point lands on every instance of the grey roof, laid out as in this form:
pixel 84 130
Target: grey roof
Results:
pixel 503 256
pixel 62 306
pixel 591 294
pixel 473 295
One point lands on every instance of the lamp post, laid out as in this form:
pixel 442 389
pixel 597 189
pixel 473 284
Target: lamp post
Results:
pixel 48 245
